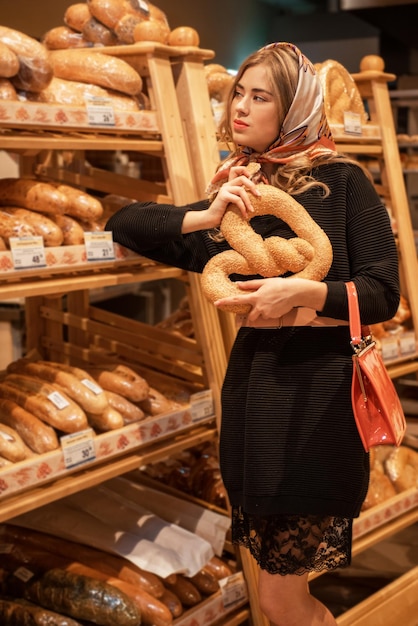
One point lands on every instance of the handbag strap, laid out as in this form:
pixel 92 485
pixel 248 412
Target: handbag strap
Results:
pixel 354 314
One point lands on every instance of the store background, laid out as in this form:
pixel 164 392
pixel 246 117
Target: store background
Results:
pixel 322 28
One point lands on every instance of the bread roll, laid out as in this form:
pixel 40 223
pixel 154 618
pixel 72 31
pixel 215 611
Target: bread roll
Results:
pixel 110 12
pixel 76 16
pixel 7 91
pixel 12 446
pixel 32 194
pixel 81 205
pixel 340 92
pixel 151 30
pixel 9 61
pixel 63 37
pixel 73 233
pixel 97 68
pixel 41 224
pixel 97 33
pixel 35 70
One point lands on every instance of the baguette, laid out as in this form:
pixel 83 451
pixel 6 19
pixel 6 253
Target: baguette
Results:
pixel 91 398
pixel 87 589
pixel 9 61
pixel 110 564
pixel 74 93
pixel 130 412
pixel 172 602
pixel 31 194
pixel 45 401
pixel 35 70
pixel 185 590
pixel 108 419
pixel 156 403
pixel 41 224
pixel 121 379
pixel 37 435
pixel 98 68
pixel 18 612
pixel 12 446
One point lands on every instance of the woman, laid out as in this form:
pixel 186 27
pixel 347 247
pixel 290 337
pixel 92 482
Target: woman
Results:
pixel 291 458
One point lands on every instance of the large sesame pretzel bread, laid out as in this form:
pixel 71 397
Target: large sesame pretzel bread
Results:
pixel 309 255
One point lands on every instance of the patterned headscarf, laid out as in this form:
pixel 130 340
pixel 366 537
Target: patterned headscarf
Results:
pixel 304 129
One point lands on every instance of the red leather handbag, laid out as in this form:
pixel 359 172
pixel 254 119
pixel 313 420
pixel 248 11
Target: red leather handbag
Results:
pixel 376 406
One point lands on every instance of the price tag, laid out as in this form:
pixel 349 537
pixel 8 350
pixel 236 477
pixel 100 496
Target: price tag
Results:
pixel 352 123
pixel 407 343
pixel 92 385
pixel 233 590
pixel 99 246
pixel 58 400
pixel 100 113
pixel 78 448
pixel 23 573
pixel 27 252
pixel 201 405
pixel 390 348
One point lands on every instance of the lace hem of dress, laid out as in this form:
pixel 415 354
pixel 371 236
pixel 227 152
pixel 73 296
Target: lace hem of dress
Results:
pixel 294 544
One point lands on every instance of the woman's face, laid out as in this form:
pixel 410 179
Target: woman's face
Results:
pixel 254 110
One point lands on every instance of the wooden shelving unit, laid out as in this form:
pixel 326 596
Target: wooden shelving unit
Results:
pixel 62 323
pixel 57 301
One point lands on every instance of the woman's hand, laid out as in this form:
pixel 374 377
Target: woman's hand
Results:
pixel 236 191
pixel 271 298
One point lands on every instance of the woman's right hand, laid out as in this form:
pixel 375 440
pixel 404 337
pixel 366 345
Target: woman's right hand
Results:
pixel 236 191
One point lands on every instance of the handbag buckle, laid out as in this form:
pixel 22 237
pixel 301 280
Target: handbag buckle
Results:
pixel 364 343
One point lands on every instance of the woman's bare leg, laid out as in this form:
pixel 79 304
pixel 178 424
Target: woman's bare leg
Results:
pixel 286 601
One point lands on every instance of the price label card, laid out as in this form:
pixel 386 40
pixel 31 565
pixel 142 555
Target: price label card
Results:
pixel 407 343
pixel 201 405
pixel 27 252
pixel 100 113
pixel 99 246
pixel 233 589
pixel 352 123
pixel 78 448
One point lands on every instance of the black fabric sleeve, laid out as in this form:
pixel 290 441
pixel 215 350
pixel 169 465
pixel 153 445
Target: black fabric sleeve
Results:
pixel 154 230
pixel 374 265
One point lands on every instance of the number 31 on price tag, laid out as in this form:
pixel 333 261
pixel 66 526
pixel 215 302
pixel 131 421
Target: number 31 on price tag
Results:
pixel 99 246
pixel 78 448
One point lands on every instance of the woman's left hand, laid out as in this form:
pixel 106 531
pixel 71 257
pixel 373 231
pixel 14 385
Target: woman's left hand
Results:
pixel 271 298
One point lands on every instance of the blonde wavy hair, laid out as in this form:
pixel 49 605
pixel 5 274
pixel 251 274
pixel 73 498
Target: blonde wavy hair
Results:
pixel 282 65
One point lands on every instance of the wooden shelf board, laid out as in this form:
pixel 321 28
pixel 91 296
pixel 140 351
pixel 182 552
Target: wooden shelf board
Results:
pixel 72 483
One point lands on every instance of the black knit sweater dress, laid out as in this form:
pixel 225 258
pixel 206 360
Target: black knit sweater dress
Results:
pixel 288 443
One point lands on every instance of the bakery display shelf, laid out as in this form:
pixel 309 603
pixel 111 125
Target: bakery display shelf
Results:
pixel 396 603
pixel 25 143
pixel 30 484
pixel 69 271
pixel 61 117
pixel 216 608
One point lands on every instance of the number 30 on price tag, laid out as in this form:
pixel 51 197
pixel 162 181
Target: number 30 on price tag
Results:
pixel 78 448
